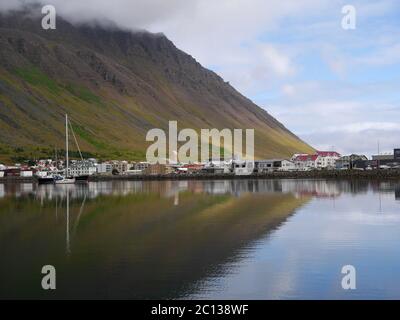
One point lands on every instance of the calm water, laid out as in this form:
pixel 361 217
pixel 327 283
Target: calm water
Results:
pixel 254 239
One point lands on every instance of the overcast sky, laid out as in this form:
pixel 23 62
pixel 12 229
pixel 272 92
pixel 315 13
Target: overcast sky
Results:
pixel 330 86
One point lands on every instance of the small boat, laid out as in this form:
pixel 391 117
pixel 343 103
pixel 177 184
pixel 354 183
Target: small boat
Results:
pixel 45 179
pixel 65 177
pixel 63 180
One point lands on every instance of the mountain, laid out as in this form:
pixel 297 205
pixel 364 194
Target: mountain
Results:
pixel 115 85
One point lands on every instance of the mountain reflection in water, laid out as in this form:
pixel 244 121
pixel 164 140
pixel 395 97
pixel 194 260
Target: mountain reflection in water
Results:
pixel 145 239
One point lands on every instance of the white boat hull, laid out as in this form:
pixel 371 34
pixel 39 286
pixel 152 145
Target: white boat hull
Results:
pixel 65 181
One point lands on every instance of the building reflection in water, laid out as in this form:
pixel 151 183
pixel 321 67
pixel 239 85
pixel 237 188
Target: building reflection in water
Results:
pixel 172 189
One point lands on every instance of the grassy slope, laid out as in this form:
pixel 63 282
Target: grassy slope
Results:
pixel 96 138
pixel 37 138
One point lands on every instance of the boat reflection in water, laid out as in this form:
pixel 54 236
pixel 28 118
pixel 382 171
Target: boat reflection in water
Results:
pixel 171 239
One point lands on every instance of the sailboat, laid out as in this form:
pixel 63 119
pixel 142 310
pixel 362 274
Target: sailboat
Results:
pixel 65 179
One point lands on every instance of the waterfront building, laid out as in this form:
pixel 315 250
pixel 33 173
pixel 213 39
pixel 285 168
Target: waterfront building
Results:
pixel 141 166
pixel 319 160
pixel 396 154
pixel 380 157
pixel 81 168
pixel 104 168
pixel 348 162
pixel 287 165
pixel 120 166
pixel 271 165
pixel 262 166
pixel 243 167
pixel 327 159
pixel 305 162
pixel 220 165
pixel 385 161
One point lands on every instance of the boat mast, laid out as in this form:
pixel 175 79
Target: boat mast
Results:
pixel 66 144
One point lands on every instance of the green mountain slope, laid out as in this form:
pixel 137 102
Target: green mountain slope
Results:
pixel 115 85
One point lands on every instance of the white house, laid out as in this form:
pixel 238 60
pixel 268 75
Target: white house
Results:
pixel 319 160
pixel 264 166
pixel 327 159
pixel 243 167
pixel 287 165
pixel 225 166
pixel 271 165
pixel 305 162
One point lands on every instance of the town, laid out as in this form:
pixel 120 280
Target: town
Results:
pixel 319 161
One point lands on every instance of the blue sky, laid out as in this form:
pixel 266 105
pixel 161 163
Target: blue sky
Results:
pixel 330 86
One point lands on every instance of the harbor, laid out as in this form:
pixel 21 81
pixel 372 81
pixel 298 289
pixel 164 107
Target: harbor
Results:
pixel 320 165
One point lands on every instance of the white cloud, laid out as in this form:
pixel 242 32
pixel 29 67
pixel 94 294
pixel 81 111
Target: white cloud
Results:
pixel 277 61
pixel 288 90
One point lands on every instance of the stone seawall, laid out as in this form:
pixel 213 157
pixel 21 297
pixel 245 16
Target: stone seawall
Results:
pixel 346 174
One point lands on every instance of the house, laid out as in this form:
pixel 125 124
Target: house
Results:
pixel 319 160
pixel 327 159
pixel 305 162
pixel 262 166
pixel 243 167
pixel 120 166
pixel 219 166
pixel 350 161
pixel 287 165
